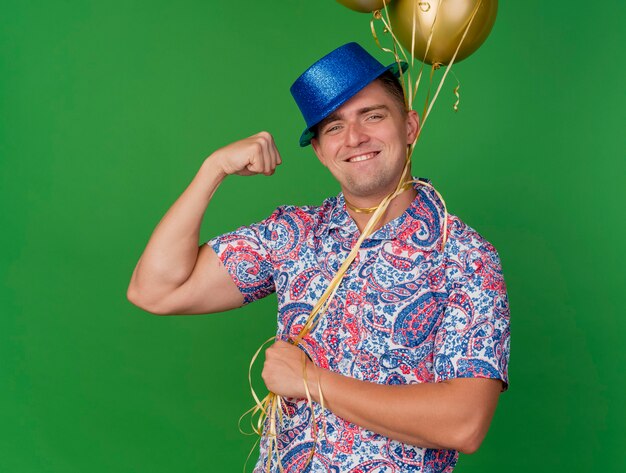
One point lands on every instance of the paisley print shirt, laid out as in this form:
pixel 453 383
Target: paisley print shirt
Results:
pixel 405 312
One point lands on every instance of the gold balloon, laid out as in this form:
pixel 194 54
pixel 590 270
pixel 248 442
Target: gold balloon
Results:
pixel 364 6
pixel 450 19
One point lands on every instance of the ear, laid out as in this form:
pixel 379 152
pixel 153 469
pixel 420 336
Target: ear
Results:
pixel 412 126
pixel 318 150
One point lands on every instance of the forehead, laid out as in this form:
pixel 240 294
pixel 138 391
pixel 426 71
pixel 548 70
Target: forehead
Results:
pixel 372 94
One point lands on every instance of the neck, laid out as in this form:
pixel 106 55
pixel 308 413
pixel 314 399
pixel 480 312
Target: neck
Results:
pixel 361 215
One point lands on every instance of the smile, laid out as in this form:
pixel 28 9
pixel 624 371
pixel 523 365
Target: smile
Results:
pixel 362 157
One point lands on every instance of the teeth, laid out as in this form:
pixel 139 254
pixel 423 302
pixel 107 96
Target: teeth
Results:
pixel 362 157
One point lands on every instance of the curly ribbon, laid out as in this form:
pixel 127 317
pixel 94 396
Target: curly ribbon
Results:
pixel 458 98
pixel 449 66
pixel 456 93
pixel 270 408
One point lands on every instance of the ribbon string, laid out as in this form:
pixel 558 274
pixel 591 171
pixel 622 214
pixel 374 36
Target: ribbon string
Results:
pixel 269 410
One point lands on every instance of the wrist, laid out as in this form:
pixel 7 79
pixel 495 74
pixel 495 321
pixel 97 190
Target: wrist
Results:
pixel 212 169
pixel 313 380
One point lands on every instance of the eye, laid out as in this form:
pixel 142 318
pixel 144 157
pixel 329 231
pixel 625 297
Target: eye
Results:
pixel 333 128
pixel 375 117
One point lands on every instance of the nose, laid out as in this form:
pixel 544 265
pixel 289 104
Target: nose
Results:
pixel 355 134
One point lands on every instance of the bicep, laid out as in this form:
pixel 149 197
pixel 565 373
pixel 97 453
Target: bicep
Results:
pixel 208 289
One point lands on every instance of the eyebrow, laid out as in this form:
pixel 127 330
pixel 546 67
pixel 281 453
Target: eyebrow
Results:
pixel 337 116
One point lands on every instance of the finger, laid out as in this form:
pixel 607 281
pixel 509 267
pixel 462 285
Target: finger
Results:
pixel 279 160
pixel 276 160
pixel 256 161
pixel 272 153
pixel 260 152
pixel 267 156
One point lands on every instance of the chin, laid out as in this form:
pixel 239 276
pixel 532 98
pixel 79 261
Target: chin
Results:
pixel 376 185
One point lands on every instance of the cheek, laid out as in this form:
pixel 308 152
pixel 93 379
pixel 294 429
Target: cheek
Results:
pixel 328 154
pixel 322 154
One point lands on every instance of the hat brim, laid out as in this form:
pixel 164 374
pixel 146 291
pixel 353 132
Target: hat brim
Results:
pixel 308 133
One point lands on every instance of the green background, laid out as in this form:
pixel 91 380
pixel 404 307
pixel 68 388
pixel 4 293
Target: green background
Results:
pixel 107 110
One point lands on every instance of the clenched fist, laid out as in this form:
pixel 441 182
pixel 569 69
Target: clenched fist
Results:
pixel 256 154
pixel 283 371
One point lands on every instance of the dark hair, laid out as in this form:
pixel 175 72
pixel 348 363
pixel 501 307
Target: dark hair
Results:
pixel 393 86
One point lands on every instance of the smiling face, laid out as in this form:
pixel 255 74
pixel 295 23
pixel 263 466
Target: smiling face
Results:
pixel 364 143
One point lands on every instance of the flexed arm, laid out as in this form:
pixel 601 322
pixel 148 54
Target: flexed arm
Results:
pixel 176 276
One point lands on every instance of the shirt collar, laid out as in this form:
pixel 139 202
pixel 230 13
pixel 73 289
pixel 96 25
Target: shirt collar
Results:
pixel 421 222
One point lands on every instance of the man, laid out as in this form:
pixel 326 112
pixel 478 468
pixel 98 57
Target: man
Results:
pixel 412 353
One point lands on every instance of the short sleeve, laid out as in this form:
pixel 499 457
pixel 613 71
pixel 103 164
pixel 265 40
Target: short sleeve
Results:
pixel 246 255
pixel 473 339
